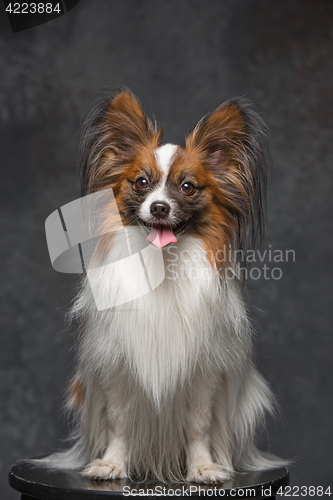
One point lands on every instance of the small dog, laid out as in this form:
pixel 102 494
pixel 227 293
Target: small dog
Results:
pixel 166 388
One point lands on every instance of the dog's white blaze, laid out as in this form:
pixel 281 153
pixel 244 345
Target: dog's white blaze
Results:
pixel 164 157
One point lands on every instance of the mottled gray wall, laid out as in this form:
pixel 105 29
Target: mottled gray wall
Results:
pixel 182 58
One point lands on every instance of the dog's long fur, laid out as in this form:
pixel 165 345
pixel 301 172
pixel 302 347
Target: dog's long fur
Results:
pixel 165 385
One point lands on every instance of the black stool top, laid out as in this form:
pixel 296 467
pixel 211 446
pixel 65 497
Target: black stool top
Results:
pixel 64 484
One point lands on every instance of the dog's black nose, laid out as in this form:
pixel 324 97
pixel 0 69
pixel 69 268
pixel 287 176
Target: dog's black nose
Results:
pixel 159 209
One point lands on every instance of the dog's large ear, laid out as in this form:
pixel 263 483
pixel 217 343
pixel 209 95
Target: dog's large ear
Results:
pixel 112 134
pixel 231 143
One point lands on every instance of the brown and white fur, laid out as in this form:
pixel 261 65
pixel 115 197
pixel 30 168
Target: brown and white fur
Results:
pixel 165 386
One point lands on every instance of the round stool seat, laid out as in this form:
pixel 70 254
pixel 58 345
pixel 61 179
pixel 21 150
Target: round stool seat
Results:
pixel 35 482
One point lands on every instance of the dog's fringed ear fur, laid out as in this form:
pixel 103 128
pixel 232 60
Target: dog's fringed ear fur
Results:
pixel 231 142
pixel 112 133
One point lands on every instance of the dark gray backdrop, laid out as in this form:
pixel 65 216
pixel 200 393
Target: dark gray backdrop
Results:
pixel 182 58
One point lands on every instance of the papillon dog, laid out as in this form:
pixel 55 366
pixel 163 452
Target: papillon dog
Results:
pixel 165 385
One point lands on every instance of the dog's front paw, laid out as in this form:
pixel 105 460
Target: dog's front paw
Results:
pixel 104 470
pixel 208 474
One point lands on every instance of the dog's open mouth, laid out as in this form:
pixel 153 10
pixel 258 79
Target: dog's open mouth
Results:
pixel 162 234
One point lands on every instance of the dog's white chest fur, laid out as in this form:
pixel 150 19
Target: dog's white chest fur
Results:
pixel 161 336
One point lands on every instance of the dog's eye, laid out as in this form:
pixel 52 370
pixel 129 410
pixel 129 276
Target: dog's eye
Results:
pixel 188 188
pixel 141 183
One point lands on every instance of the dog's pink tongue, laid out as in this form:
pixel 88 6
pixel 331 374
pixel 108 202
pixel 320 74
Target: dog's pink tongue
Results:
pixel 161 236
